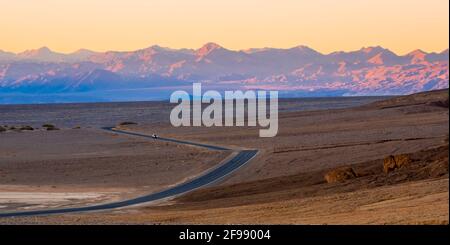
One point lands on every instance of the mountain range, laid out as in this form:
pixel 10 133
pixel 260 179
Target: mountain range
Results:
pixel 297 70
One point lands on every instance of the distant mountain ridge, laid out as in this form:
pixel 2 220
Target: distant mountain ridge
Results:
pixel 368 71
pixel 44 54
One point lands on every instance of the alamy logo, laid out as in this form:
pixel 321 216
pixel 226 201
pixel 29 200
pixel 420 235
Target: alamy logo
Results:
pixel 237 103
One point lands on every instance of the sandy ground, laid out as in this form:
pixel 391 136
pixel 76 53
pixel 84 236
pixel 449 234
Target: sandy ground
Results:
pixel 411 203
pixel 313 140
pixel 285 183
pixel 90 166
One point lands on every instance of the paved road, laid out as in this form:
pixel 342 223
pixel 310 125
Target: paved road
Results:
pixel 208 178
pixel 209 147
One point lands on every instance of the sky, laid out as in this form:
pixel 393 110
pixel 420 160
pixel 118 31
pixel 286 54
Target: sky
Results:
pixel 324 25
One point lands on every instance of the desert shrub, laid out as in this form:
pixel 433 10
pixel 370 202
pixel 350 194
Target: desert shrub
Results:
pixel 27 128
pixel 2 129
pixel 14 128
pixel 50 127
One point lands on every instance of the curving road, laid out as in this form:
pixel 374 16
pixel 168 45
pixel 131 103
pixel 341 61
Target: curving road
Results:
pixel 208 178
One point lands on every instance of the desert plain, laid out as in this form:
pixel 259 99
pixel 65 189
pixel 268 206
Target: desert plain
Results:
pixel 377 161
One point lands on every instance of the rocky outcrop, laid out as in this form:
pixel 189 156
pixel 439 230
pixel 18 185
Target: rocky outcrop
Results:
pixel 392 163
pixel 340 175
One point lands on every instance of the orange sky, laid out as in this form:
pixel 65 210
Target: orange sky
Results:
pixel 325 25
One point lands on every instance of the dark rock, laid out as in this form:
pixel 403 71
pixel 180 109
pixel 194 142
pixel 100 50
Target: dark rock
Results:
pixel 127 123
